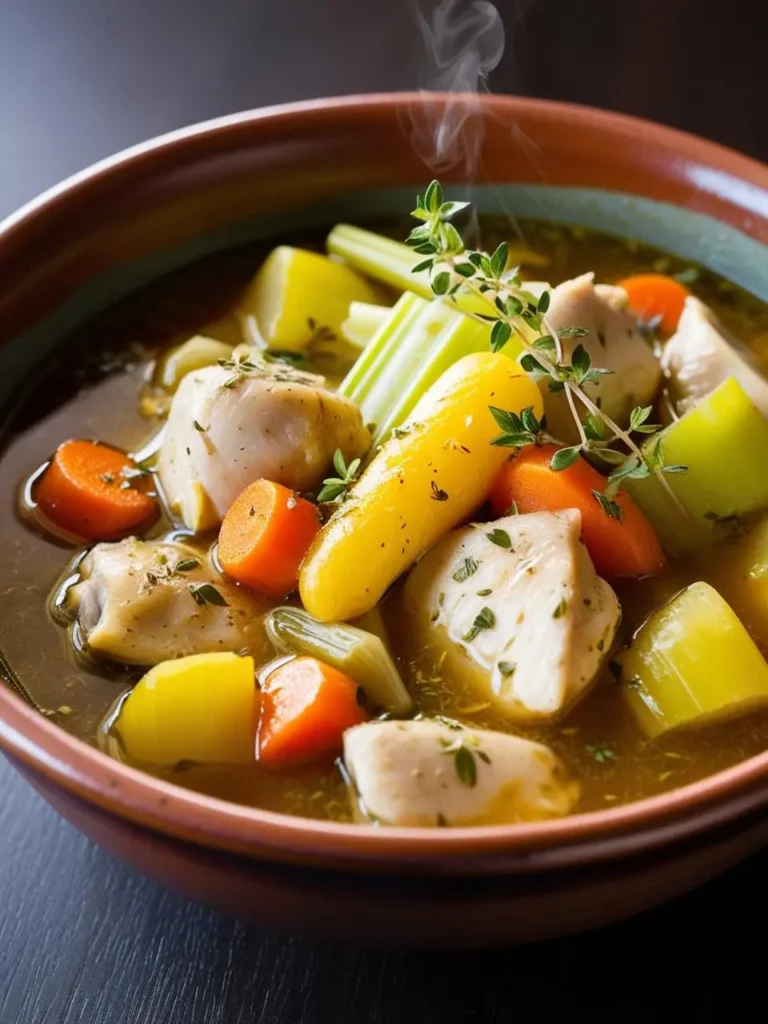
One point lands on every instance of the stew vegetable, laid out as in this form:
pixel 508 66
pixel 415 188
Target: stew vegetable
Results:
pixel 403 533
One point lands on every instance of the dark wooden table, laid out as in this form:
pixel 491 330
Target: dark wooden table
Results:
pixel 84 940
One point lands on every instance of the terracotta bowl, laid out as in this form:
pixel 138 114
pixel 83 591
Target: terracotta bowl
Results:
pixel 157 206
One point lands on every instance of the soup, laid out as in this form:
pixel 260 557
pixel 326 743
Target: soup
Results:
pixel 430 589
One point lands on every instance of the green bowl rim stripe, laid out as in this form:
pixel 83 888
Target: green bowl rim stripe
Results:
pixel 679 231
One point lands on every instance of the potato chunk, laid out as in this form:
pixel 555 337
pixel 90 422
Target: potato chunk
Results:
pixel 298 293
pixel 692 663
pixel 202 708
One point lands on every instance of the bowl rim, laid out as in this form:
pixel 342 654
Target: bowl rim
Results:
pixel 39 745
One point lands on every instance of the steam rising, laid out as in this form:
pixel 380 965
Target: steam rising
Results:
pixel 464 41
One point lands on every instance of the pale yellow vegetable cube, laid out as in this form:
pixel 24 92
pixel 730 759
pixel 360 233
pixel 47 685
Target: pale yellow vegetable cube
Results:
pixel 194 354
pixel 691 664
pixel 202 708
pixel 723 445
pixel 298 297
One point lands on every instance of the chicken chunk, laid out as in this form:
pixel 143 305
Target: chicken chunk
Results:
pixel 227 428
pixel 516 612
pixel 702 353
pixel 139 603
pixel 613 343
pixel 426 772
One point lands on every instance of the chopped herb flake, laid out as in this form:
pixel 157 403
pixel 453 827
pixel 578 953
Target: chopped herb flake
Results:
pixel 187 565
pixel 485 619
pixel 206 593
pixel 469 568
pixel 449 723
pixel 600 752
pixel 466 766
pixel 500 538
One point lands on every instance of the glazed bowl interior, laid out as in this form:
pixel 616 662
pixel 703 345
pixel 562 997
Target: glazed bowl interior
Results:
pixel 161 206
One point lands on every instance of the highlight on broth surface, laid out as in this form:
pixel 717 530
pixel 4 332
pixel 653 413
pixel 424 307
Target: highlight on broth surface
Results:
pixel 405 534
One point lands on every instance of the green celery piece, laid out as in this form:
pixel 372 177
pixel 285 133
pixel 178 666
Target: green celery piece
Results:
pixel 357 382
pixel 362 323
pixel 724 443
pixel 379 257
pixel 409 353
pixel 692 664
pixel 391 262
pixel 359 654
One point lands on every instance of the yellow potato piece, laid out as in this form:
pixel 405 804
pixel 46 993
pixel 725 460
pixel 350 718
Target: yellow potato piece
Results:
pixel 299 296
pixel 194 354
pixel 422 483
pixel 691 664
pixel 202 708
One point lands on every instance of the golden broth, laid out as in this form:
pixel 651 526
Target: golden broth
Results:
pixel 92 388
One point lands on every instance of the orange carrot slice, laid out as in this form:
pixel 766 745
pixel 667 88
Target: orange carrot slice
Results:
pixel 618 547
pixel 306 706
pixel 265 536
pixel 88 489
pixel 652 295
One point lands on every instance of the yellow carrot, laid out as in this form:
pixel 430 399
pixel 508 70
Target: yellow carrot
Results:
pixel 429 476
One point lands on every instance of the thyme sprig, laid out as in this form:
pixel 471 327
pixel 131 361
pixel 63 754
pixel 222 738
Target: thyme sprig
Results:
pixel 241 366
pixel 336 488
pixel 513 310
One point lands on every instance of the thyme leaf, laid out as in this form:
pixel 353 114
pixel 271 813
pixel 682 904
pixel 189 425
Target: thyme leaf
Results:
pixel 601 752
pixel 469 568
pixel 466 766
pixel 206 593
pixel 485 619
pixel 611 508
pixel 499 537
pixel 336 488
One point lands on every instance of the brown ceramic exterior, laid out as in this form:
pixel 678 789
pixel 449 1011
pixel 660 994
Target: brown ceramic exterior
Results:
pixel 455 887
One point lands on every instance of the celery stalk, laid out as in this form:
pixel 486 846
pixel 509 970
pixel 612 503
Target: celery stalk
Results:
pixel 401 315
pixel 723 442
pixel 392 263
pixel 358 654
pixel 414 347
pixel 692 664
pixel 379 257
pixel 362 323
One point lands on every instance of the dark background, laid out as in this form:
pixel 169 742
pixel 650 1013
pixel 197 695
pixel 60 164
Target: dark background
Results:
pixel 82 939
